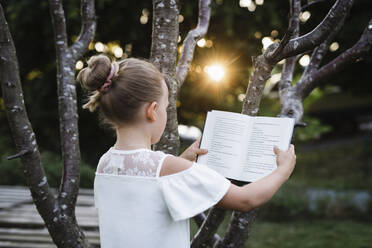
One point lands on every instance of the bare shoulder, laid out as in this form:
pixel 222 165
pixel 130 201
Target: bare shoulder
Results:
pixel 174 164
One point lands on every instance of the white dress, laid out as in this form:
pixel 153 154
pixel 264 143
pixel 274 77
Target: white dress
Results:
pixel 139 209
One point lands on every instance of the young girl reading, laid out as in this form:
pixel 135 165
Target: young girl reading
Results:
pixel 144 197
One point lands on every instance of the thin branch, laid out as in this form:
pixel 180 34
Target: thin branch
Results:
pixel 289 65
pixel 88 29
pixel 319 33
pixel 18 155
pixel 357 52
pixel 293 28
pixel 188 46
pixel 306 6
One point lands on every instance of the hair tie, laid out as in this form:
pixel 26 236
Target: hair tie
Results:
pixel 107 83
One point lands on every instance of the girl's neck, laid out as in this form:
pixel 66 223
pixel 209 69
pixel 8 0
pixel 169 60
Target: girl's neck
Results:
pixel 130 138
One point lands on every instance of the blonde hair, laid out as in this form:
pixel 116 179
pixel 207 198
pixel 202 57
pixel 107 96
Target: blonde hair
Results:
pixel 134 83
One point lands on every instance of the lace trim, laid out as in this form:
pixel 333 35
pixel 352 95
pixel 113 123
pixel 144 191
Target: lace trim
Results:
pixel 138 162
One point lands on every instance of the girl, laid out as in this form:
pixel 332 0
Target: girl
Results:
pixel 144 197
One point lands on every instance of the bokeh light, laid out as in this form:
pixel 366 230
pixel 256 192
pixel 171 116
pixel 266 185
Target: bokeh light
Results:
pixel 304 16
pixel 266 42
pixel 79 65
pixel 202 42
pixel 117 51
pixel 215 71
pixel 99 47
pixel 304 60
pixel 334 46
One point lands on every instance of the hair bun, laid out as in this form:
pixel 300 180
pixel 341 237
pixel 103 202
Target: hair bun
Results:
pixel 94 75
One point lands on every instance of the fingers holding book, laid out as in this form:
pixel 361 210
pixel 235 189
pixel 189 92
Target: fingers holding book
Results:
pixel 285 160
pixel 193 151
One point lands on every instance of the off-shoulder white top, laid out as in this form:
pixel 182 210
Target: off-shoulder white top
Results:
pixel 139 209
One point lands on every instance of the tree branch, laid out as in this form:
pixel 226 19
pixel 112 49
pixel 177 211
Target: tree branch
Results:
pixel 188 46
pixel 21 129
pixel 289 65
pixel 69 133
pixel 261 73
pixel 206 235
pixel 293 28
pixel 88 29
pixel 320 51
pixel 319 33
pixel 359 51
pixel 59 25
pixel 238 229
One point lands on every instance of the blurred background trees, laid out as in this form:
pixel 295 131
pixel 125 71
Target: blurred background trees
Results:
pixel 333 150
pixel 236 33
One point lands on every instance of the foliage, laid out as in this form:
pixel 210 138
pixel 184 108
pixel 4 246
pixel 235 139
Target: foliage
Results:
pixel 313 130
pixel 341 163
pixel 12 171
pixel 305 233
pixel 315 233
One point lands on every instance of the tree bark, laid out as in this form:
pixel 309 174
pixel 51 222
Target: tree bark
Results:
pixel 164 56
pixel 240 223
pixel 206 235
pixel 57 212
pixel 360 50
pixel 192 37
pixel 319 33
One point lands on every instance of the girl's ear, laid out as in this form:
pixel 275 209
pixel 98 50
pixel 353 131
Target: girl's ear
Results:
pixel 150 112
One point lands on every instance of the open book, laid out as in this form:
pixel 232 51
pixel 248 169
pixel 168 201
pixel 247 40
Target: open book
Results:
pixel 240 146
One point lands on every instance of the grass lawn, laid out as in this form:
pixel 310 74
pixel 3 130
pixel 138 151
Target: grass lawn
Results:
pixel 309 234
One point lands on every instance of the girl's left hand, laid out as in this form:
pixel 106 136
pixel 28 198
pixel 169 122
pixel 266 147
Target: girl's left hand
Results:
pixel 193 150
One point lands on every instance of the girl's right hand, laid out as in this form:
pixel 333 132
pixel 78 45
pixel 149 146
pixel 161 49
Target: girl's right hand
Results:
pixel 285 160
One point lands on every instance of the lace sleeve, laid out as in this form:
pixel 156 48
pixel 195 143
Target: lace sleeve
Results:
pixel 193 190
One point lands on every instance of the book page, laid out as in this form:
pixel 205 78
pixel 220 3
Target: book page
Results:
pixel 224 136
pixel 265 133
